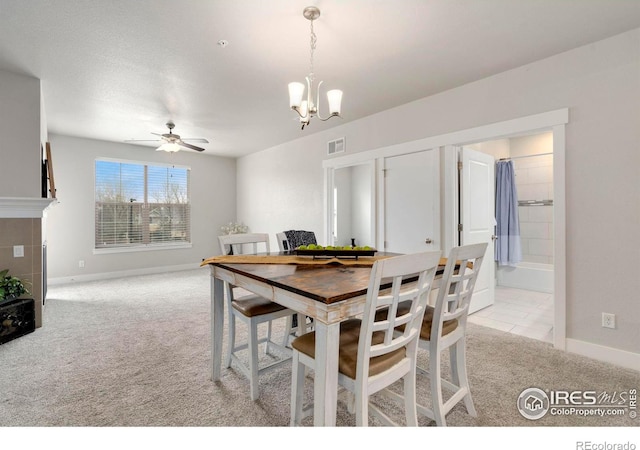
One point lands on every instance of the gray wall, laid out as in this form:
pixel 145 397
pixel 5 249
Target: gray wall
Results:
pixel 20 131
pixel 599 83
pixel 70 223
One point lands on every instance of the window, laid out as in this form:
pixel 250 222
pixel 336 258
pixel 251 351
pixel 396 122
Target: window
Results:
pixel 141 205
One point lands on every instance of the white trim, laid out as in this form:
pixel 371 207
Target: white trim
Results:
pixel 120 274
pixel 141 248
pixel 23 207
pixel 610 355
pixel 559 239
pixel 328 205
pixel 379 201
pixel 449 188
pixel 542 121
pixel 142 163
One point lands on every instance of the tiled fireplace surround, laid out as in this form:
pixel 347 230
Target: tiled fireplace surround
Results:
pixel 21 223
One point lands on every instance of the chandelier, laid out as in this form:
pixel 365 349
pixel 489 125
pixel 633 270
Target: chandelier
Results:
pixel 307 109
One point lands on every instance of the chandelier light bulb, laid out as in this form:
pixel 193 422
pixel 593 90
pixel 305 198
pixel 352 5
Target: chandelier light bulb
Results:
pixel 296 91
pixel 335 100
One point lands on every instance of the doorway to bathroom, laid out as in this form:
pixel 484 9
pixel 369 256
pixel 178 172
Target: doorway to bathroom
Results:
pixel 524 301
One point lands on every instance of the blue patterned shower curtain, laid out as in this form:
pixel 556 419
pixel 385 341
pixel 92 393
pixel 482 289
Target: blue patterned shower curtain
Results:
pixel 507 249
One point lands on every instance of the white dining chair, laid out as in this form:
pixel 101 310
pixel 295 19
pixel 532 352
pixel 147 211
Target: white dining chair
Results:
pixel 444 327
pixel 252 310
pixel 372 355
pixel 290 239
pixel 292 328
pixel 283 243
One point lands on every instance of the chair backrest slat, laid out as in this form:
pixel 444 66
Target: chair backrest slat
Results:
pixel 379 335
pixel 283 244
pixel 238 243
pixel 457 286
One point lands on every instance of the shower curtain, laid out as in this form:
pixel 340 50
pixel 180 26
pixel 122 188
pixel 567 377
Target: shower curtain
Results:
pixel 507 249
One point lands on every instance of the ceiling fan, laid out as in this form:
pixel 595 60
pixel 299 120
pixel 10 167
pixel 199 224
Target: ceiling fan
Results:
pixel 173 142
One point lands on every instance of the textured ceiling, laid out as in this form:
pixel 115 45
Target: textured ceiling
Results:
pixel 116 70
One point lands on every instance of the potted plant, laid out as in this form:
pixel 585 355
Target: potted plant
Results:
pixel 11 287
pixel 234 228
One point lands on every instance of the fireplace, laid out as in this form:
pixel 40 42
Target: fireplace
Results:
pixel 22 225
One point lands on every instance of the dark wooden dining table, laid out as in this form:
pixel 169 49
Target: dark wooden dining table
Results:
pixel 327 292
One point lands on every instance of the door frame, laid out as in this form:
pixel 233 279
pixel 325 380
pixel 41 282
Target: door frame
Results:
pixel 554 121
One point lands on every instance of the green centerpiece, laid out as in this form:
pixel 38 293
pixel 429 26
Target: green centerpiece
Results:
pixel 334 251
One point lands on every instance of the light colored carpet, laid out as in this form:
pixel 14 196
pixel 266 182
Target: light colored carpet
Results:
pixel 135 352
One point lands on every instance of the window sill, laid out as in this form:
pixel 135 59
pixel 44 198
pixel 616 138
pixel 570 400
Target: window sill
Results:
pixel 141 248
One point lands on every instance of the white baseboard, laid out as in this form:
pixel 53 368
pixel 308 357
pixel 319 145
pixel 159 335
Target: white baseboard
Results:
pixel 120 274
pixel 610 355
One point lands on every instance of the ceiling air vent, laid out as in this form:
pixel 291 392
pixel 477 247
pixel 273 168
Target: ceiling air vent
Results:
pixel 336 146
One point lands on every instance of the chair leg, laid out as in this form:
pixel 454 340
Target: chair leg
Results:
pixel 410 393
pixel 253 360
pixel 351 402
pixel 232 337
pixel 453 360
pixel 458 357
pixel 287 331
pixel 362 407
pixel 267 349
pixel 436 387
pixel 297 389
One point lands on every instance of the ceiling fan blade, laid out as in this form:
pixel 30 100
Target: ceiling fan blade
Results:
pixel 142 140
pixel 198 140
pixel 157 134
pixel 192 147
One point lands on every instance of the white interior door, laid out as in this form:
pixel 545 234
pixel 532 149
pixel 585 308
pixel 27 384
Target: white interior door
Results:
pixel 477 216
pixel 412 202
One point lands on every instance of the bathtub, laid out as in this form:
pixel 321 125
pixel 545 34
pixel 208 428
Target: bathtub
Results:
pixel 527 275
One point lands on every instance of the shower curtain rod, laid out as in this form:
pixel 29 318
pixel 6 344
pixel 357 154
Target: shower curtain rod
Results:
pixel 525 156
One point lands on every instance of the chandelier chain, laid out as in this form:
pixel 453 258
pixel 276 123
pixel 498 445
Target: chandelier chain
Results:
pixel 313 41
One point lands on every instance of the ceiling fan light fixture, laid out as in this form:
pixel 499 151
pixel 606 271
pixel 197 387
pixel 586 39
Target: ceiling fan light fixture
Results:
pixel 170 147
pixel 173 142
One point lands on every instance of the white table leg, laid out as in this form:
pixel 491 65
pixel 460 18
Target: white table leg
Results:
pixel 325 396
pixel 217 326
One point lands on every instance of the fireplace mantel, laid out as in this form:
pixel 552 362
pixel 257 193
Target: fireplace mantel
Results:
pixel 23 207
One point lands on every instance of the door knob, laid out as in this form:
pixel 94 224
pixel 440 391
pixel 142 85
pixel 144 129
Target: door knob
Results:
pixel 428 241
pixel 494 237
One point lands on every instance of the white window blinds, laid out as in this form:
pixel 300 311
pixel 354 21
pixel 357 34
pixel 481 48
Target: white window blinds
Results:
pixel 139 204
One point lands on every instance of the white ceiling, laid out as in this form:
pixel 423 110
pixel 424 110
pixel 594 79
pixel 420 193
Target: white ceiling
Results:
pixel 120 69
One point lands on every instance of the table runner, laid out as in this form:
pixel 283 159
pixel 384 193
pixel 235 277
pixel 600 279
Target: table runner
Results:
pixel 364 261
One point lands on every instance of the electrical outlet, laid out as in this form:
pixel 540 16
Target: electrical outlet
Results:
pixel 81 264
pixel 18 251
pixel 608 320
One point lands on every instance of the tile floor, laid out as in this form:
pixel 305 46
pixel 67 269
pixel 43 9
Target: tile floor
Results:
pixel 527 313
